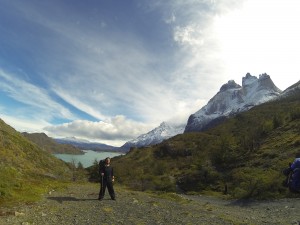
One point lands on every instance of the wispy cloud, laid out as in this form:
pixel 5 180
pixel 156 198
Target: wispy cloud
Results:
pixel 114 76
pixel 131 77
pixel 106 73
pixel 32 96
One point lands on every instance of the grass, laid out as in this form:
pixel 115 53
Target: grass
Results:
pixel 169 196
pixel 25 190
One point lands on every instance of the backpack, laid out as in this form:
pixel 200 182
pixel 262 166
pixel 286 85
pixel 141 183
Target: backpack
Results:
pixel 101 165
pixel 293 176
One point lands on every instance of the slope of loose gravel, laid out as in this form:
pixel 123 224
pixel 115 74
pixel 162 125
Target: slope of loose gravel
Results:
pixel 78 204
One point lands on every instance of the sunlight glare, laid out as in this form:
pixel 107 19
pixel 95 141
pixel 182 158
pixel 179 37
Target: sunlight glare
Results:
pixel 262 36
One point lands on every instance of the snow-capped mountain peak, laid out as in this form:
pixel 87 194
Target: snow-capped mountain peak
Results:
pixel 155 136
pixel 248 80
pixel 75 139
pixel 233 98
pixel 230 85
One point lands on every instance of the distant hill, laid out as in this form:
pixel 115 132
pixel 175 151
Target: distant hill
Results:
pixel 25 169
pixel 50 145
pixel 243 156
pixel 87 145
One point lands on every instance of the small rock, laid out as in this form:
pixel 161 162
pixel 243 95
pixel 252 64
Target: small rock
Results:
pixel 19 214
pixel 25 223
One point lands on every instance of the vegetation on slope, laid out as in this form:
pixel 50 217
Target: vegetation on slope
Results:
pixel 242 157
pixel 25 169
pixel 48 144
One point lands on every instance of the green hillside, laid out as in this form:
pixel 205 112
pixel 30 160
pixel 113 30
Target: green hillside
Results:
pixel 243 157
pixel 25 169
pixel 48 144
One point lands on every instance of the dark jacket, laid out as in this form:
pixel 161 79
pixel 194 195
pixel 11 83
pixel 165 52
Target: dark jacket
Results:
pixel 108 172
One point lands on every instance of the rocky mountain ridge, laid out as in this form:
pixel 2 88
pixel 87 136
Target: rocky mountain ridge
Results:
pixel 231 99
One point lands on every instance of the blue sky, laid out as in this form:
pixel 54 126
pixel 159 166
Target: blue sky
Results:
pixel 110 70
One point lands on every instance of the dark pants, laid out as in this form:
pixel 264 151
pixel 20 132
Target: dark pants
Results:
pixel 110 188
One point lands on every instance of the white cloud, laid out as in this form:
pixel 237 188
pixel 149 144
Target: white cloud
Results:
pixel 23 124
pixel 115 131
pixel 223 40
pixel 190 34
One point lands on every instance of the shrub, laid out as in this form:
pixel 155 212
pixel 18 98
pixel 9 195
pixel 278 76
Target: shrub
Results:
pixel 255 183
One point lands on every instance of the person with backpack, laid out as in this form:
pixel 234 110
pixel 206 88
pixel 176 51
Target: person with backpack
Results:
pixel 107 178
pixel 293 175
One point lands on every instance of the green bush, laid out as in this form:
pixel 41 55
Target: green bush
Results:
pixel 255 183
pixel 164 183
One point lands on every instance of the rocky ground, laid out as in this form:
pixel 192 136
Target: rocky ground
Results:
pixel 78 204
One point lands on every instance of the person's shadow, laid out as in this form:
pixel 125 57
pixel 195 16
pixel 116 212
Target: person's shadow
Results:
pixel 69 199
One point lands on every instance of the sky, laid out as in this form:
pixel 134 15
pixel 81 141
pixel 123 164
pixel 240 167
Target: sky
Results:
pixel 111 70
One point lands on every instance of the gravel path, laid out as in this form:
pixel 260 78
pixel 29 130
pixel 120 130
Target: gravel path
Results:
pixel 79 205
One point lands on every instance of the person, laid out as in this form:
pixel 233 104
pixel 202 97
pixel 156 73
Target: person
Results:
pixel 107 179
pixel 293 175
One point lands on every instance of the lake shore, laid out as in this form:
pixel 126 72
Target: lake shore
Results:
pixel 88 158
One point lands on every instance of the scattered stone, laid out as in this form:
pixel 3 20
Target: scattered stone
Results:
pixel 19 214
pixel 75 206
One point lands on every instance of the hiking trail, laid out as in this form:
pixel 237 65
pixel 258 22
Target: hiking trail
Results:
pixel 78 204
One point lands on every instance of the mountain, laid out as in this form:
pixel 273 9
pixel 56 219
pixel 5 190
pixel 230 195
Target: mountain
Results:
pixel 295 88
pixel 50 145
pixel 87 145
pixel 243 157
pixel 232 99
pixel 155 136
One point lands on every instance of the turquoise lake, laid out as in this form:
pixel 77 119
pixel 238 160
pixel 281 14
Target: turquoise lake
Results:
pixel 88 158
